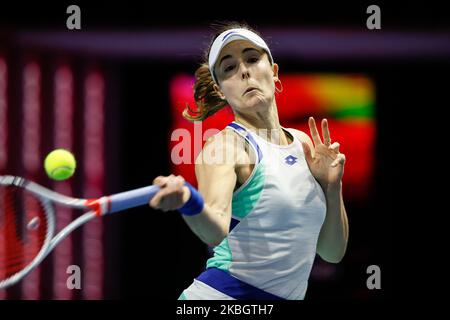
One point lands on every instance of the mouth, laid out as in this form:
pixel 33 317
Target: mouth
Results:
pixel 250 89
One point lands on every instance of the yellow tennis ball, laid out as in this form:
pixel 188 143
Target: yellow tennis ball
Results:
pixel 60 164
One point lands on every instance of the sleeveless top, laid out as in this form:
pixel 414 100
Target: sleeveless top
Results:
pixel 277 215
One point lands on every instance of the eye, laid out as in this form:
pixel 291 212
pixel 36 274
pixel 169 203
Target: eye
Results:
pixel 253 59
pixel 229 68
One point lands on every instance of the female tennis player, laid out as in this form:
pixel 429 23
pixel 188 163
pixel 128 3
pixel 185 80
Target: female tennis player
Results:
pixel 279 201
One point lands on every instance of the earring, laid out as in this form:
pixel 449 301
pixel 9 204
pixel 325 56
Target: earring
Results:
pixel 278 90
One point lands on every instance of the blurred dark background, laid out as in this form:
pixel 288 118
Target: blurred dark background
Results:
pixel 149 254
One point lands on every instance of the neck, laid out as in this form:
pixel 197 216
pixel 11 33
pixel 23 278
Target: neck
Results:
pixel 264 123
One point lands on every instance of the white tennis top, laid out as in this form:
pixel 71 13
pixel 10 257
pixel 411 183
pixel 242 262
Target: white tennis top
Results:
pixel 277 215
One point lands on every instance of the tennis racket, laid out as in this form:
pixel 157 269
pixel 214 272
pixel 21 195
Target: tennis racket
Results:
pixel 27 221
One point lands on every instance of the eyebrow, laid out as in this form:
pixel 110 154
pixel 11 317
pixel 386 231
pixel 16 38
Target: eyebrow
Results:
pixel 243 51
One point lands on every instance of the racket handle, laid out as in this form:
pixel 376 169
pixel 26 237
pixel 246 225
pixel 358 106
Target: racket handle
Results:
pixel 132 198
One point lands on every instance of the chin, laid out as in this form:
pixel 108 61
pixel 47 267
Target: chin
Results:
pixel 257 103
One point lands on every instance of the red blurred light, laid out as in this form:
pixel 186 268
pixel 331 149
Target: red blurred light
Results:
pixel 303 96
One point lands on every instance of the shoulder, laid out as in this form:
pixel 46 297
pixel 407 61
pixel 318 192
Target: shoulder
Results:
pixel 222 144
pixel 224 139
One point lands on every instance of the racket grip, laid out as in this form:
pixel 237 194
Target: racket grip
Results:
pixel 132 198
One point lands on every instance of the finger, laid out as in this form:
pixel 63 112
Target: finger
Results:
pixel 160 181
pixel 340 159
pixel 166 202
pixel 169 198
pixel 307 151
pixel 313 130
pixel 335 147
pixel 172 182
pixel 179 188
pixel 180 181
pixel 155 201
pixel 325 132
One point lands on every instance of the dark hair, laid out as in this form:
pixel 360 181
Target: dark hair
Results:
pixel 207 99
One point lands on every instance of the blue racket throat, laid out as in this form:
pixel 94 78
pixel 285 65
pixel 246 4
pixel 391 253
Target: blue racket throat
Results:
pixel 195 203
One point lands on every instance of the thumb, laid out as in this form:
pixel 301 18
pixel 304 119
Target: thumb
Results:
pixel 307 151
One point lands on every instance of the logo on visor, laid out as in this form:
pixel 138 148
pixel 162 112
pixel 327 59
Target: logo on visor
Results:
pixel 228 34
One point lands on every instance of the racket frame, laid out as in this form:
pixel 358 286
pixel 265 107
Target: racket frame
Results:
pixel 96 207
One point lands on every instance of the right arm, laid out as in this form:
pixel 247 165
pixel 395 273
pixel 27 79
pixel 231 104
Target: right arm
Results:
pixel 216 183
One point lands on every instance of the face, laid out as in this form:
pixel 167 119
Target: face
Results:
pixel 246 77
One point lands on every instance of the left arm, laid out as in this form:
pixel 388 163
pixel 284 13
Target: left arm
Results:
pixel 333 236
pixel 327 166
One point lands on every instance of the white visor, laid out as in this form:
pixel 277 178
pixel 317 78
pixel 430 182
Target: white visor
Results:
pixel 231 35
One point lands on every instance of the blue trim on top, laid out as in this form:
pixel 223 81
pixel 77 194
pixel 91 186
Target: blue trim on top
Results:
pixel 248 137
pixel 233 223
pixel 233 287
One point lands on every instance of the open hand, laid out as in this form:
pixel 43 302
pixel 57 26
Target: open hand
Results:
pixel 327 164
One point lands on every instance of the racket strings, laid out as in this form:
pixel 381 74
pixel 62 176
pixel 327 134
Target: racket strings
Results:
pixel 23 229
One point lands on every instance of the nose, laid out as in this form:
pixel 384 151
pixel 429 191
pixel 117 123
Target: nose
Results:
pixel 245 74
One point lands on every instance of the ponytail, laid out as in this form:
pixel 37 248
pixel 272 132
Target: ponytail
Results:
pixel 207 99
